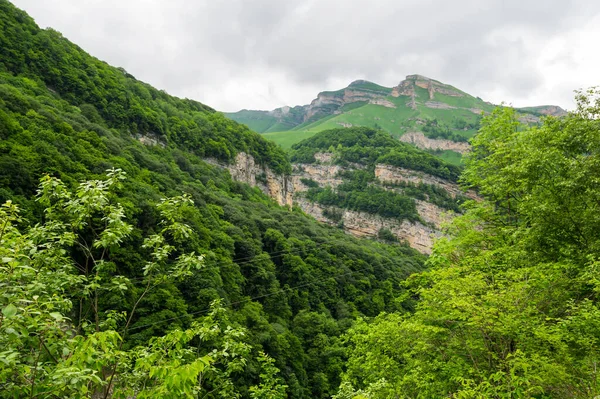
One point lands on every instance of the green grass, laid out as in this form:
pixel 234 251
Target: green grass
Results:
pixel 288 138
pixel 452 157
pixel 370 86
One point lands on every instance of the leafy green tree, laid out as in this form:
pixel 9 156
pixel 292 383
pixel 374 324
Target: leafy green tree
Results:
pixel 51 348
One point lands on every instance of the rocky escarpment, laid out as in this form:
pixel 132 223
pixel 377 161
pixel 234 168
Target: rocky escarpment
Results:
pixel 287 190
pixel 418 139
pixel 418 235
pixel 395 174
pixel 408 85
pixel 329 102
pixel 246 170
pixel 361 224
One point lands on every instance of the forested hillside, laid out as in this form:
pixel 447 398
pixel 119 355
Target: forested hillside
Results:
pixel 133 265
pixel 101 267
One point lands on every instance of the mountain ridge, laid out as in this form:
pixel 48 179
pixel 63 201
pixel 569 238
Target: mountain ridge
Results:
pixel 417 105
pixel 404 88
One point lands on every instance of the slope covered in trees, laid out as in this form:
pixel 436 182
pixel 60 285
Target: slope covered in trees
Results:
pixel 295 286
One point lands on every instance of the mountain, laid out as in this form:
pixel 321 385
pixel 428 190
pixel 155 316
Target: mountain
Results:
pixel 422 111
pixel 288 285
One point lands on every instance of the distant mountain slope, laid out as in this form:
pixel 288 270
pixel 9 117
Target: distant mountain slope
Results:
pixel 433 115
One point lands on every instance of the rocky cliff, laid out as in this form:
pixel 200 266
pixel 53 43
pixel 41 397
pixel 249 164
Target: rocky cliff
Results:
pixel 329 102
pixel 419 140
pixel 418 235
pixel 246 170
pixel 288 190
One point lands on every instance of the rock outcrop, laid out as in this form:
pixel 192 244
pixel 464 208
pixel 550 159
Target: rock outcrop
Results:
pixel 287 190
pixel 361 224
pixel 419 235
pixel 246 170
pixel 407 87
pixel 418 139
pixel 395 174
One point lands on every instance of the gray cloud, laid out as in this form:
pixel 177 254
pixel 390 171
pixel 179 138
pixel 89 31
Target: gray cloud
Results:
pixel 266 53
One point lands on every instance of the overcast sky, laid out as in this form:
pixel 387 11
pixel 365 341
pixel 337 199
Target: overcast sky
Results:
pixel 263 54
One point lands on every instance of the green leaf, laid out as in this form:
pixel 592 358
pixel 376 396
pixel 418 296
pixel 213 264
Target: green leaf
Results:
pixel 9 311
pixel 56 316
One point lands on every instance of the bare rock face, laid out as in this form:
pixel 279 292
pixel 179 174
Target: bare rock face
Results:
pixel 395 174
pixel 361 224
pixel 324 175
pixel 438 105
pixel 246 170
pixel 382 102
pixel 285 190
pixel 419 140
pixel 553 110
pixel 324 157
pixel 407 87
pixel 432 214
pixel 330 102
pixel 150 139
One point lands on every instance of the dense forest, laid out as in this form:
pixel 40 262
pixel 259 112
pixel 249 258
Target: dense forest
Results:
pixel 369 146
pixel 114 251
pixel 130 267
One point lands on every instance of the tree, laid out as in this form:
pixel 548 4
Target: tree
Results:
pixel 58 341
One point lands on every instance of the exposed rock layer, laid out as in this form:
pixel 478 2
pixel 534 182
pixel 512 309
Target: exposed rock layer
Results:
pixel 418 139
pixel 287 190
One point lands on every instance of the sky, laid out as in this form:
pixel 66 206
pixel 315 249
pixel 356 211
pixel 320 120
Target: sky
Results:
pixel 264 54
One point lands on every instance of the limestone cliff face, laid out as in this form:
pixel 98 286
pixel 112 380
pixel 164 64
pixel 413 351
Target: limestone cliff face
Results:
pixel 419 235
pixel 246 170
pixel 329 102
pixel 287 190
pixel 361 224
pixel 418 139
pixel 394 174
pixel 407 87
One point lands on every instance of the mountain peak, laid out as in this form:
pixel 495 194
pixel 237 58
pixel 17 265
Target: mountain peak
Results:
pixel 417 77
pixel 359 82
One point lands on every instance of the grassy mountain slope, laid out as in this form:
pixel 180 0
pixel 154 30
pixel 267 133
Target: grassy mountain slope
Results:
pixel 417 105
pixel 295 284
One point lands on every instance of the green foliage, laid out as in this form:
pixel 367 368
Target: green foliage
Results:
pixel 435 130
pixel 111 94
pixel 366 198
pixel 431 193
pixel 266 264
pixel 49 348
pixel 386 235
pixel 510 306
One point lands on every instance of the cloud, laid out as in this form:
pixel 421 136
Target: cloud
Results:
pixel 261 54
